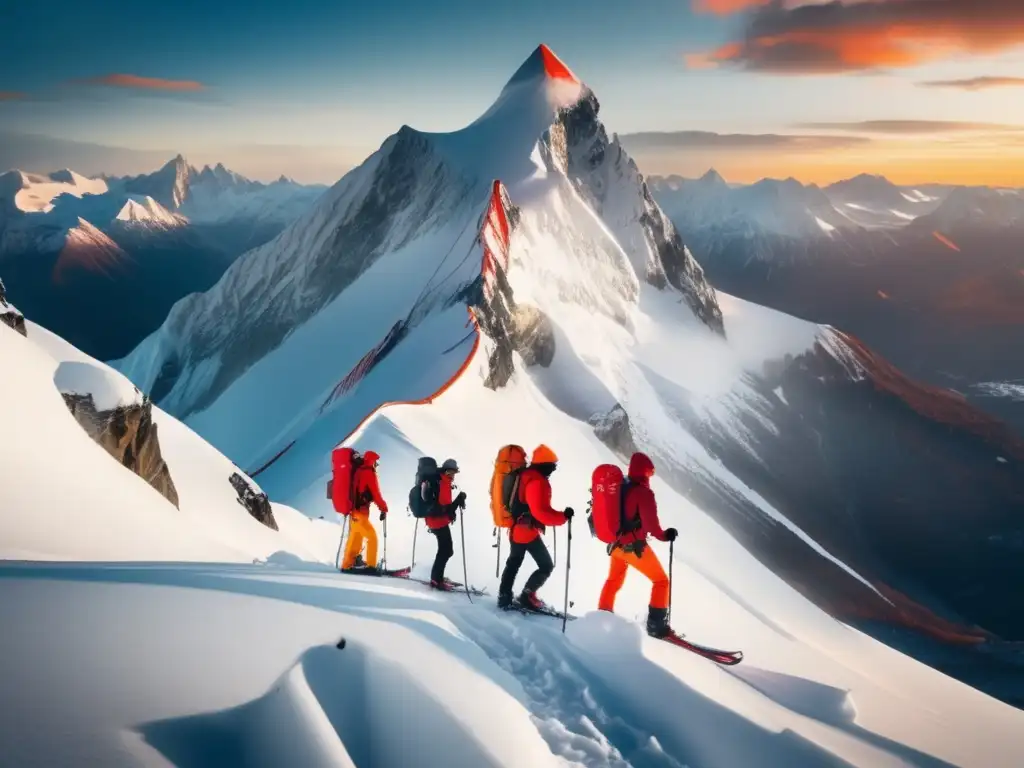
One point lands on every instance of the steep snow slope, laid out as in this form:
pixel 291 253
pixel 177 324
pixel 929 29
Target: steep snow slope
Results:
pixel 467 686
pixel 63 497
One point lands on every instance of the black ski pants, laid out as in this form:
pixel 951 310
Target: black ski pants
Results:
pixel 445 550
pixel 539 552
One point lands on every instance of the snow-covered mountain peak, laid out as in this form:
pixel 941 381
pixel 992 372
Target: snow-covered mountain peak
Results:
pixel 976 206
pixel 222 177
pixel 713 179
pixel 67 176
pixel 37 193
pixel 169 186
pixel 148 212
pixel 542 65
pixel 597 235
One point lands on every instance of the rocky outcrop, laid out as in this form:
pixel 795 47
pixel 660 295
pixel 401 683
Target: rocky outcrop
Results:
pixel 255 501
pixel 609 180
pixel 129 434
pixel 612 429
pixel 9 315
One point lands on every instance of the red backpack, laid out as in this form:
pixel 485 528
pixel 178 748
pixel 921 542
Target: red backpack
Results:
pixel 607 489
pixel 342 486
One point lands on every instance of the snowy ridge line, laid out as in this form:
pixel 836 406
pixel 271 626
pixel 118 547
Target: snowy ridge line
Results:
pixel 494 237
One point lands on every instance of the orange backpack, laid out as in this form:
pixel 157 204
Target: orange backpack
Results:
pixel 510 458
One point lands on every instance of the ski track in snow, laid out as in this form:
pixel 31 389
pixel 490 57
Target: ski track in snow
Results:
pixel 570 713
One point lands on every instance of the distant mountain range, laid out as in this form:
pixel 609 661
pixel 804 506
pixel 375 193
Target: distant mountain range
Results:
pixel 101 260
pixel 932 275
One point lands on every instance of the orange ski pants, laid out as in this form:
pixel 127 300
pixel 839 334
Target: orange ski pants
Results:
pixel 648 564
pixel 359 529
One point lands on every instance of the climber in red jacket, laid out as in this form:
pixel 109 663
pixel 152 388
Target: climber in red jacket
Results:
pixel 640 520
pixel 367 489
pixel 531 511
pixel 439 524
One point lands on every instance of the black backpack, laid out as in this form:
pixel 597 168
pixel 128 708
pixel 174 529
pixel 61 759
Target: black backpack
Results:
pixel 423 495
pixel 510 495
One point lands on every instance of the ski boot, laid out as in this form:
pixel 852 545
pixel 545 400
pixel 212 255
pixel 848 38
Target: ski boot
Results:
pixel 504 600
pixel 441 586
pixel 657 623
pixel 531 602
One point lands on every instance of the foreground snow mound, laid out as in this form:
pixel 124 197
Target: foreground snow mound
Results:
pixel 108 388
pixel 316 669
pixel 63 497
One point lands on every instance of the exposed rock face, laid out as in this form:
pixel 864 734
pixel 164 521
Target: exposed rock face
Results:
pixel 255 502
pixel 129 434
pixel 610 181
pixel 513 327
pixel 9 314
pixel 612 429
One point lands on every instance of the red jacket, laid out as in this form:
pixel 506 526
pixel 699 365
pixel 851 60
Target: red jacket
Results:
pixel 535 491
pixel 444 500
pixel 640 505
pixel 366 485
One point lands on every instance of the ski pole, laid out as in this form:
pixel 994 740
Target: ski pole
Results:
pixel 554 560
pixel 568 565
pixel 497 557
pixel 415 533
pixel 671 557
pixel 384 560
pixel 465 573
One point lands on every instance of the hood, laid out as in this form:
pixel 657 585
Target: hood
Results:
pixel 370 458
pixel 640 467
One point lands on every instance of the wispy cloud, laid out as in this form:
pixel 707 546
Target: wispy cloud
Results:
pixel 975 83
pixel 726 7
pixel 144 83
pixel 11 95
pixel 909 126
pixel 684 140
pixel 854 35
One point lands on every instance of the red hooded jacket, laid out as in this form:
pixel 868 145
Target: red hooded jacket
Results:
pixel 367 485
pixel 640 505
pixel 444 499
pixel 535 491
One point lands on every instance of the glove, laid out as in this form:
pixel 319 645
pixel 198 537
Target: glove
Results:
pixel 460 500
pixel 568 513
pixel 670 534
pixel 383 515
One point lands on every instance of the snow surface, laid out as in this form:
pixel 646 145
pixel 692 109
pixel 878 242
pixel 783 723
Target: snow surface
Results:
pixel 423 678
pixel 109 389
pixel 35 193
pixel 431 669
pixel 147 211
pixel 62 497
pixel 1012 390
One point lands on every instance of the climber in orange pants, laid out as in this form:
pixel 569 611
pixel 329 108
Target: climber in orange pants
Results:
pixel 640 520
pixel 367 490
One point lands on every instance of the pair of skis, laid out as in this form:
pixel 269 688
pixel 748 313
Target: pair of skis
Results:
pixel 406 573
pixel 727 658
pixel 717 655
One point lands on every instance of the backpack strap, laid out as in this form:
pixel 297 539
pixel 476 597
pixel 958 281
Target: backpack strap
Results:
pixel 628 523
pixel 519 509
